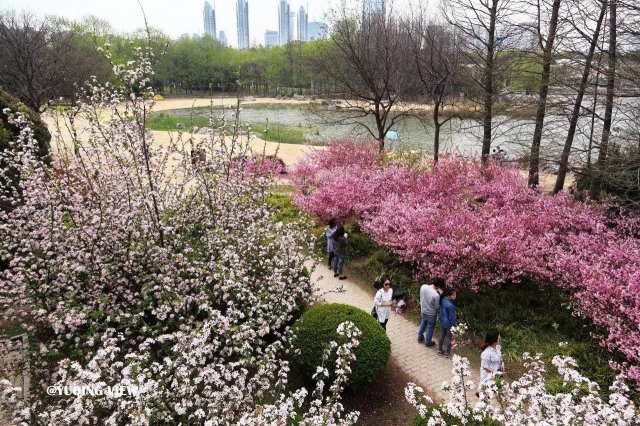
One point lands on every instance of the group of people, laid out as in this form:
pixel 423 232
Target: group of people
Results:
pixel 435 300
pixel 499 154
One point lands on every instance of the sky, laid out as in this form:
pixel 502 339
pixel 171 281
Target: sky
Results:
pixel 175 17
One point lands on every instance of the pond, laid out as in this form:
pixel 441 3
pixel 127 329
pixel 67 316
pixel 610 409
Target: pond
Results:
pixel 458 136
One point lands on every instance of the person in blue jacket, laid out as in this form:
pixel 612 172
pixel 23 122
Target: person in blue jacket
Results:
pixel 448 319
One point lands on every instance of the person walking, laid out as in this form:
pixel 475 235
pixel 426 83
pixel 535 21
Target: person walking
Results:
pixel 339 252
pixel 383 302
pixel 331 229
pixel 429 306
pixel 448 319
pixel 491 362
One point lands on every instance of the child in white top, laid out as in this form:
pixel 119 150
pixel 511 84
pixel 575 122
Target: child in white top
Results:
pixel 491 362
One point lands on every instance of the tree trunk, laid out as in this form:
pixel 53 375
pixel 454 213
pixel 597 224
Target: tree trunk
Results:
pixel 611 80
pixel 487 121
pixel 534 161
pixel 436 131
pixel 575 115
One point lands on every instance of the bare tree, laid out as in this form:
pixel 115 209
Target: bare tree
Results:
pixel 611 82
pixel 367 58
pixel 43 58
pixel 487 28
pixel 547 46
pixel 436 52
pixel 592 38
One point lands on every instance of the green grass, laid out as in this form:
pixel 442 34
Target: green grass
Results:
pixel 278 133
pixel 167 123
pixel 273 133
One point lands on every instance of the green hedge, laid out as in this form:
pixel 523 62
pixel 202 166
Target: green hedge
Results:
pixel 317 327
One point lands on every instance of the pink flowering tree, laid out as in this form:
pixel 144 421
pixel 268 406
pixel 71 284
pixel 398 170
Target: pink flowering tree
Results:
pixel 478 226
pixel 128 264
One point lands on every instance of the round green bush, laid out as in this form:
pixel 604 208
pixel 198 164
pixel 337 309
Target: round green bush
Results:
pixel 317 327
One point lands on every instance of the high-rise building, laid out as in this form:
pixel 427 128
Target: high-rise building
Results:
pixel 292 25
pixel 242 15
pixel 284 21
pixel 271 38
pixel 209 16
pixel 222 38
pixel 316 31
pixel 374 7
pixel 303 23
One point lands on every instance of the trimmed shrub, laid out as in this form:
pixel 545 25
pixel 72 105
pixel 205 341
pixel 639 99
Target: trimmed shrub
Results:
pixel 9 132
pixel 317 327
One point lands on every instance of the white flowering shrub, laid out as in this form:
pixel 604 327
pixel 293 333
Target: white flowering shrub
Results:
pixel 526 401
pixel 127 264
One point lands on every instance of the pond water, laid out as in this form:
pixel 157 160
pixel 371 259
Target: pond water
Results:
pixel 458 137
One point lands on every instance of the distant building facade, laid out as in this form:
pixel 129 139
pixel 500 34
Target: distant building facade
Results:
pixel 374 8
pixel 271 38
pixel 303 24
pixel 209 16
pixel 242 16
pixel 222 38
pixel 316 31
pixel 284 21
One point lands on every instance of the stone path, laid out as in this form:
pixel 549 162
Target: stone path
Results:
pixel 423 364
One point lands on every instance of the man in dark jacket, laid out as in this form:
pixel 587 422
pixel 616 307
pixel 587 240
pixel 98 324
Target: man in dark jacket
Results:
pixel 448 319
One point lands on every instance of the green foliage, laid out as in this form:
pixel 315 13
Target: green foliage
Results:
pixel 9 132
pixel 279 133
pixel 534 317
pixel 358 244
pixel 419 420
pixel 317 327
pixel 527 75
pixel 283 208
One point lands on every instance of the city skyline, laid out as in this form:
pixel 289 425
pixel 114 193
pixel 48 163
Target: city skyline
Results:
pixel 173 18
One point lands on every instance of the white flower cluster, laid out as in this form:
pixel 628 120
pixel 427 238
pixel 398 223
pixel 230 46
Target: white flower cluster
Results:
pixel 526 401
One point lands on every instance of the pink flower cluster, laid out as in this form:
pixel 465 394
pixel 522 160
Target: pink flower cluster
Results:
pixel 480 226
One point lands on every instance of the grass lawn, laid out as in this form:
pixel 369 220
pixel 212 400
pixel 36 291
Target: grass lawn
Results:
pixel 273 133
pixel 167 123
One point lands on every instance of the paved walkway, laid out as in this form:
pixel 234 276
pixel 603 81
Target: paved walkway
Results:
pixel 423 364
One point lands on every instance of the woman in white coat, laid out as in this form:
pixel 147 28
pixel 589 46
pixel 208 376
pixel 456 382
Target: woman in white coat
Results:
pixel 383 302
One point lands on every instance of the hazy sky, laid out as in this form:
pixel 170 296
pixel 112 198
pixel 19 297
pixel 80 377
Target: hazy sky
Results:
pixel 175 17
